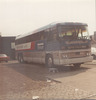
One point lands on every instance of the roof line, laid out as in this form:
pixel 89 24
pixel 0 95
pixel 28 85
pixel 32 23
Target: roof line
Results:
pixel 49 26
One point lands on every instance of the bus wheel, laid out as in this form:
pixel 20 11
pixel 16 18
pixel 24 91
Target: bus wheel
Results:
pixel 49 62
pixel 77 65
pixel 94 57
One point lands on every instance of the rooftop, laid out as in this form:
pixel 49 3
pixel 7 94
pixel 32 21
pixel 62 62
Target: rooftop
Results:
pixel 50 26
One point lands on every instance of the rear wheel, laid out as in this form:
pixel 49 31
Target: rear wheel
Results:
pixel 6 60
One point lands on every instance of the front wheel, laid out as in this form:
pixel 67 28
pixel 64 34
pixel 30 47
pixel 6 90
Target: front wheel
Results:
pixel 94 57
pixel 49 62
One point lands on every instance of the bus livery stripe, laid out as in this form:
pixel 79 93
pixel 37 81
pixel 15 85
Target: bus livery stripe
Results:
pixel 25 46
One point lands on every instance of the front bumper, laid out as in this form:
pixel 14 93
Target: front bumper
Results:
pixel 75 60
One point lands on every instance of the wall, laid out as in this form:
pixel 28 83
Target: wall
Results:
pixel 6 46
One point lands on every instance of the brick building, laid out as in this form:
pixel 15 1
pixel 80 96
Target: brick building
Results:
pixel 7 46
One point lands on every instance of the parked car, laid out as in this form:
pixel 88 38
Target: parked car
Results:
pixel 93 52
pixel 4 57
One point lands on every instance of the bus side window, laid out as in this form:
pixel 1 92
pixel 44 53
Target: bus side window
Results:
pixel 50 37
pixel 42 35
pixel 54 36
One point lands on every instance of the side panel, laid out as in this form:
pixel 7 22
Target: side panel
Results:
pixel 32 51
pixel 53 49
pixel 38 57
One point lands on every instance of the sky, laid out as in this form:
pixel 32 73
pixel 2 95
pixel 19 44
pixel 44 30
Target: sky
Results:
pixel 22 16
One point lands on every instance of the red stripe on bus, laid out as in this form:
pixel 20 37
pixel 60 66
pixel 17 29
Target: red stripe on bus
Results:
pixel 32 45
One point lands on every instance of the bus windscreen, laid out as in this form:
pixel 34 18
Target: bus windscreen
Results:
pixel 72 32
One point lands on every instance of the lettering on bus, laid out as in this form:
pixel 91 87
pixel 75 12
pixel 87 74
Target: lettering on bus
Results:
pixel 74 42
pixel 40 46
pixel 26 46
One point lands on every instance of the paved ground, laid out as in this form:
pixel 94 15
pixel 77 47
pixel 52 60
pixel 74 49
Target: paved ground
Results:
pixel 83 78
pixel 24 81
pixel 18 78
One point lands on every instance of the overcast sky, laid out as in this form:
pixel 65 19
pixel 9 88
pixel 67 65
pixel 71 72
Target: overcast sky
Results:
pixel 22 16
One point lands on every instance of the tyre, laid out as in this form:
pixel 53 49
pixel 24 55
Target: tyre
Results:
pixel 77 65
pixel 49 62
pixel 6 60
pixel 94 57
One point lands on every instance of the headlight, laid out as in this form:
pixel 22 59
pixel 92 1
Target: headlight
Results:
pixel 64 56
pixel 88 54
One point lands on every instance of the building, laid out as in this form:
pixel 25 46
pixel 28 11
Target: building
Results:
pixel 95 35
pixel 7 46
pixel 93 38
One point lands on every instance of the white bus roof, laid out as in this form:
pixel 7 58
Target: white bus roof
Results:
pixel 50 26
